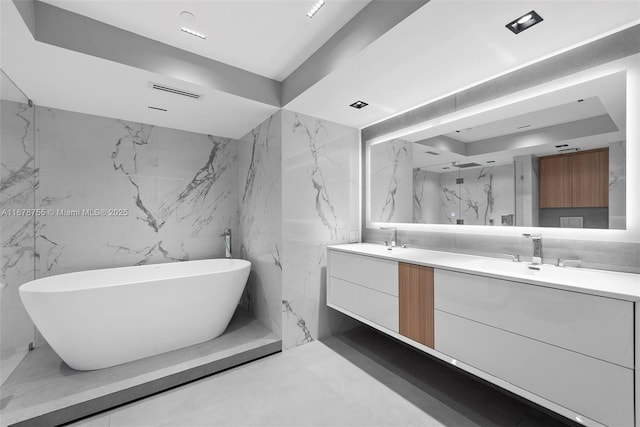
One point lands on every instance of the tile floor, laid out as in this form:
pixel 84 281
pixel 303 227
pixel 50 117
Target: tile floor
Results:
pixel 360 378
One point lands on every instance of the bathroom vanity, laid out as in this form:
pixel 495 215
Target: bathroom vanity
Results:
pixel 562 337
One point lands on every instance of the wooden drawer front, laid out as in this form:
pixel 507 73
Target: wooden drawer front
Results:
pixel 596 326
pixel 416 302
pixel 374 273
pixel 375 306
pixel 599 390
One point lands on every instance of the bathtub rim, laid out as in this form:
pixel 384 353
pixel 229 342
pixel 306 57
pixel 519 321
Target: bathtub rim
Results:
pixel 50 284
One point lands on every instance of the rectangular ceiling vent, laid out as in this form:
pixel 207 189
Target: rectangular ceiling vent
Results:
pixel 433 153
pixel 174 90
pixel 467 165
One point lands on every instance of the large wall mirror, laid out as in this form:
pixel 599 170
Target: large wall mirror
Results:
pixel 553 160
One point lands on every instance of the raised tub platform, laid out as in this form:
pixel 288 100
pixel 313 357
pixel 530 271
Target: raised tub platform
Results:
pixel 44 391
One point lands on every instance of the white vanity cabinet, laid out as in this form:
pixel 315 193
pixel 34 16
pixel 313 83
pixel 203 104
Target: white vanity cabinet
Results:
pixel 365 287
pixel 568 348
pixel 573 349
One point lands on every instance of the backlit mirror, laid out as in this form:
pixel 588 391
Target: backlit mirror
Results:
pixel 555 160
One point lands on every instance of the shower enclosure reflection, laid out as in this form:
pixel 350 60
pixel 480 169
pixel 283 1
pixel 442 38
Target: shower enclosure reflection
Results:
pixel 557 160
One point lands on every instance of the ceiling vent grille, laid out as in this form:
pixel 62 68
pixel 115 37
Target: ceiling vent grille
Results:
pixel 433 153
pixel 467 165
pixel 175 91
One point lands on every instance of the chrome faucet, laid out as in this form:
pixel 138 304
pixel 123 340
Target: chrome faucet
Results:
pixel 227 242
pixel 394 242
pixel 536 240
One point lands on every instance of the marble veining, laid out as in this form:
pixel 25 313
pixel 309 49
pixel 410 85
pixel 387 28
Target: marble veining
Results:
pixel 320 193
pixel 299 321
pixel 483 197
pixel 260 212
pixel 323 206
pixel 173 192
pixel 173 188
pixel 18 181
pixel 391 181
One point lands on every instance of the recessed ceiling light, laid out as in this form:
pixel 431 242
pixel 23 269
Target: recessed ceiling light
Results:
pixel 527 20
pixel 358 104
pixel 193 33
pixel 316 7
pixel 156 108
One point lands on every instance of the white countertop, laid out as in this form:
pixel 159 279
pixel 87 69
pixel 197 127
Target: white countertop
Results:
pixel 611 284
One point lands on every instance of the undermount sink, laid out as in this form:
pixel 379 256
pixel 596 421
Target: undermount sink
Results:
pixel 540 271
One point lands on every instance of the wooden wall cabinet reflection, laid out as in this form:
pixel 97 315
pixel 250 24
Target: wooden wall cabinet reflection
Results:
pixel 574 180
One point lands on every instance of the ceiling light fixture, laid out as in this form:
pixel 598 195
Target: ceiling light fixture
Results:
pixel 527 20
pixel 193 33
pixel 358 104
pixel 316 7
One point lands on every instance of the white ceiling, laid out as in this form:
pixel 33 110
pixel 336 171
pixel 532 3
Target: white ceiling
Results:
pixel 444 46
pixel 451 44
pixel 267 37
pixel 68 80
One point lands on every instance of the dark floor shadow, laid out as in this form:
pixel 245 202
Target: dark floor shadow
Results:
pixel 421 379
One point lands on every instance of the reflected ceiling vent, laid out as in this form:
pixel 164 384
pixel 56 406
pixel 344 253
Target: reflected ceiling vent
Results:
pixel 467 165
pixel 174 90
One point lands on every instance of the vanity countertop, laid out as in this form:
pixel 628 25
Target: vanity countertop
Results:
pixel 611 284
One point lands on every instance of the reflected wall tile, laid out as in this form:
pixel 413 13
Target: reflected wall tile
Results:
pixel 17 185
pixel 320 184
pixel 260 184
pixel 391 181
pixel 617 185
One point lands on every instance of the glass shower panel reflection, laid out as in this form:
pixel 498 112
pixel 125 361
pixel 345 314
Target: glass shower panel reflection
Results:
pixel 17 221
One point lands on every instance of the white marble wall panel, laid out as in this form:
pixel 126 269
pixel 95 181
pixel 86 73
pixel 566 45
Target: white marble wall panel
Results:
pixel 320 192
pixel 173 193
pixel 391 181
pixel 486 194
pixel 260 168
pixel 617 185
pixel 426 197
pixel 17 254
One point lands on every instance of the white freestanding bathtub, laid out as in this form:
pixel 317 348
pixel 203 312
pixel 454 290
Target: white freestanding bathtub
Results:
pixel 100 318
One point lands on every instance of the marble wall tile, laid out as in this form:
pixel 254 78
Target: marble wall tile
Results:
pixel 173 193
pixel 391 181
pixel 320 192
pixel 260 196
pixel 485 195
pixel 426 195
pixel 114 193
pixel 17 253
